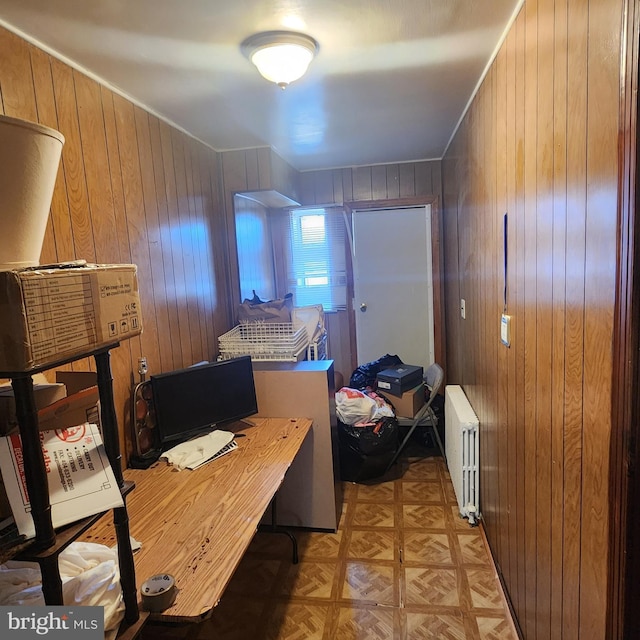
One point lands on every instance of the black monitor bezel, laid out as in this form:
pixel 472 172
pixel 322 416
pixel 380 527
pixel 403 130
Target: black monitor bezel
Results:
pixel 172 436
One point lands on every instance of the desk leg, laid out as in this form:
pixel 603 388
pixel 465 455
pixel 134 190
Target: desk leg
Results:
pixel 274 528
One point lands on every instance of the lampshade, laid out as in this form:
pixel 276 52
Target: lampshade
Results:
pixel 280 56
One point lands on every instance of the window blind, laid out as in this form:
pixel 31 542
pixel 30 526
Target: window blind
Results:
pixel 316 260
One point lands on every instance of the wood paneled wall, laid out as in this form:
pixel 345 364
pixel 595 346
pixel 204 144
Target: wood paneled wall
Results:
pixel 540 144
pixel 130 189
pixel 377 182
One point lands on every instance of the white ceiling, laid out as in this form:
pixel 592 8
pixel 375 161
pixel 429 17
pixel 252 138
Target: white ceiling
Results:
pixel 390 82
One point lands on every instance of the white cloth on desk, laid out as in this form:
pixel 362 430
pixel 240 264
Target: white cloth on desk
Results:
pixel 90 577
pixel 192 453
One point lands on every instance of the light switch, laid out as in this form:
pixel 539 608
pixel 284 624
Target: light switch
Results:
pixel 505 330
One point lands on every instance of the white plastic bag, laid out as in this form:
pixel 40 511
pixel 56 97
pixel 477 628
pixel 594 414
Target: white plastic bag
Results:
pixel 357 407
pixel 90 577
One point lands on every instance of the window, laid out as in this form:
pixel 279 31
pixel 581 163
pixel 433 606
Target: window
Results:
pixel 316 260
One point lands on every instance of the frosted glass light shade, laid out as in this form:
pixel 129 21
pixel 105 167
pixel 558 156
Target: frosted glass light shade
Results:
pixel 280 56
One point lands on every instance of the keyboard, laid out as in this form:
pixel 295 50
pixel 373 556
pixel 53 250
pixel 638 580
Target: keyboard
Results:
pixel 228 448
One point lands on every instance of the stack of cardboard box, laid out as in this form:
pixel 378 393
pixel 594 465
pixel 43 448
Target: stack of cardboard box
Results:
pixel 404 383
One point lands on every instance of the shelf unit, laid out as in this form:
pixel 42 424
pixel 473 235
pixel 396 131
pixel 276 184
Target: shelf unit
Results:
pixel 48 542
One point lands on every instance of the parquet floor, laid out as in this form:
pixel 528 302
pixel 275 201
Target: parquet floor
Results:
pixel 403 566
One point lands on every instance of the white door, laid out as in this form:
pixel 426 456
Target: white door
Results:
pixel 393 284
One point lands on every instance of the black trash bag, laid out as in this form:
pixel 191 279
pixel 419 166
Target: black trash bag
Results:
pixel 365 452
pixel 365 375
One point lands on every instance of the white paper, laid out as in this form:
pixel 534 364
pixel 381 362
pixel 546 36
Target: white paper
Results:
pixel 80 478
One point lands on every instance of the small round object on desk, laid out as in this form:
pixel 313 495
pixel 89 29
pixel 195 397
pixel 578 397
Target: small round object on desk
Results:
pixel 158 592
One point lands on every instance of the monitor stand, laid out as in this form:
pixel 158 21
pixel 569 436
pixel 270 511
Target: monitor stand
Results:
pixel 146 460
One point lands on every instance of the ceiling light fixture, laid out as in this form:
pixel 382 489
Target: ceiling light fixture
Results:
pixel 280 56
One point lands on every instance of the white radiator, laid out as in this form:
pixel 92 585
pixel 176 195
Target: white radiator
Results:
pixel 461 445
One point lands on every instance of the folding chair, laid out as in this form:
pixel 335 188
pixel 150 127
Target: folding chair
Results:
pixel 425 417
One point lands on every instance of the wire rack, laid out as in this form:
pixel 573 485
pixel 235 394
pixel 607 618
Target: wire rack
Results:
pixel 318 350
pixel 264 341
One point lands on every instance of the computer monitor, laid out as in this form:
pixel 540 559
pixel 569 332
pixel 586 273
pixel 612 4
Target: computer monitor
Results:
pixel 194 400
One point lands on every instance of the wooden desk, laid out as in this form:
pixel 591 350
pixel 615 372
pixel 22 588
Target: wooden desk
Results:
pixel 197 525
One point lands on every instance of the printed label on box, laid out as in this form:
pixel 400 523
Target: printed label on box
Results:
pixel 80 478
pixel 60 314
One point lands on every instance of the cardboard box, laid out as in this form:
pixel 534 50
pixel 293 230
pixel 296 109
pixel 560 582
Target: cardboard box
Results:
pixel 44 394
pixel 53 314
pixel 410 402
pixel 77 408
pixel 73 400
pixel 80 479
pixel 83 402
pixel 76 381
pixel 396 380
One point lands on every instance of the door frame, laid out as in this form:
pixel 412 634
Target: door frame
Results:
pixel 409 230
pixel 623 615
pixel 437 267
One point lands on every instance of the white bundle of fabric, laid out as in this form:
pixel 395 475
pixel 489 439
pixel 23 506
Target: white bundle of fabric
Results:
pixel 90 577
pixel 194 452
